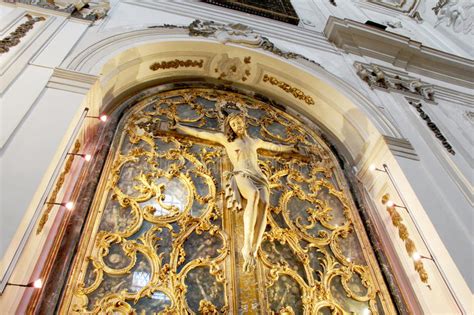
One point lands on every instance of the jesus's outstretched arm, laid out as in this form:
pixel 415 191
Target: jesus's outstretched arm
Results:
pixel 270 146
pixel 206 135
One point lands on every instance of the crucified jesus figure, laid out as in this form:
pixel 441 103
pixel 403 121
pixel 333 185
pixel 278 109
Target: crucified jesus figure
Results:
pixel 246 181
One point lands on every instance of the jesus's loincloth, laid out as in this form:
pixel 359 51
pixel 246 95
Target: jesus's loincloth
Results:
pixel 232 194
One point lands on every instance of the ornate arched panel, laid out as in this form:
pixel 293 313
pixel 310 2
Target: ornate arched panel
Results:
pixel 160 238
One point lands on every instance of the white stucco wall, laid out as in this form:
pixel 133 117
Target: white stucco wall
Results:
pixel 35 118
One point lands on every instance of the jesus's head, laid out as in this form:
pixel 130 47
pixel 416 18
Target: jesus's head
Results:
pixel 234 126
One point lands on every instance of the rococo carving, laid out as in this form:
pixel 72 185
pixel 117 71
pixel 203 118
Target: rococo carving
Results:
pixel 15 37
pixel 240 34
pixel 458 14
pixel 165 237
pixel 438 134
pixel 176 63
pixel 297 93
pixel 376 77
pixel 226 33
pixel 233 68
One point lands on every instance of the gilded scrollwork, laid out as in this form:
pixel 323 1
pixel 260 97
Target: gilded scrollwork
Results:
pixel 161 240
pixel 57 188
pixel 297 93
pixel 176 63
pixel 410 247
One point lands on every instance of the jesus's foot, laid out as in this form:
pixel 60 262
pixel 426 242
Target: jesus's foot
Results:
pixel 249 260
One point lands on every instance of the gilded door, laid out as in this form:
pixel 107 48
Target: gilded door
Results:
pixel 160 240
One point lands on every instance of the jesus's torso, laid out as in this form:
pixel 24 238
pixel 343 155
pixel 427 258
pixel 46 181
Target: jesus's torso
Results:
pixel 243 155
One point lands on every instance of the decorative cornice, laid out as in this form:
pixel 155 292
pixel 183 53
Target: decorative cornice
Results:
pixel 360 39
pixel 453 96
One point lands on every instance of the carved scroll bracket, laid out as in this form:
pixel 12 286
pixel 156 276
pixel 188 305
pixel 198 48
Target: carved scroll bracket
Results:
pixel 377 77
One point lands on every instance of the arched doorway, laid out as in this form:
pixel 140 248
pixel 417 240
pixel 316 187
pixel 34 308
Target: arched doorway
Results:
pixel 161 237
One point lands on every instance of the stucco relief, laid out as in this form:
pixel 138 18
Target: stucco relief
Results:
pixel 238 34
pixel 233 68
pixel 226 33
pixel 457 14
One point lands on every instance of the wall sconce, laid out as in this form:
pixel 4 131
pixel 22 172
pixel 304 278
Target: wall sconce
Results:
pixel 68 205
pixel 373 168
pixel 87 157
pixel 416 256
pixel 102 117
pixel 37 284
pixel 390 203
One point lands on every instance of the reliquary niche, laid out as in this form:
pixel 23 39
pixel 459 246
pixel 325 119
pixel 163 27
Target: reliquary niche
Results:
pixel 160 238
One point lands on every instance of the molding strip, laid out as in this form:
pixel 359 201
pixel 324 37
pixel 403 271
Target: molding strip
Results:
pixel 72 81
pixel 401 147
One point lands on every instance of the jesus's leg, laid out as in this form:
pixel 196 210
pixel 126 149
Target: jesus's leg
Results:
pixel 251 194
pixel 261 221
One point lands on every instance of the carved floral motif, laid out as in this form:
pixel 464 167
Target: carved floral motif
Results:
pixel 15 37
pixel 376 77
